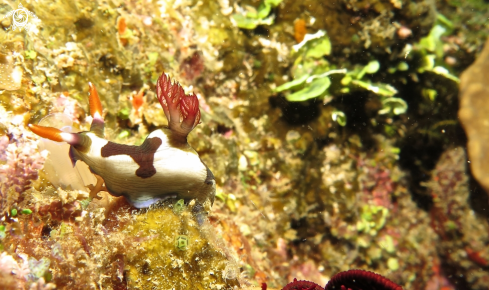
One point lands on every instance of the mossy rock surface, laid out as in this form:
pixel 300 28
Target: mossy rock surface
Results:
pixel 172 252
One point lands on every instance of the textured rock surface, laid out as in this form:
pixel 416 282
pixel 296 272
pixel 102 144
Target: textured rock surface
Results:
pixel 461 246
pixel 10 75
pixel 473 113
pixel 299 196
pixel 354 26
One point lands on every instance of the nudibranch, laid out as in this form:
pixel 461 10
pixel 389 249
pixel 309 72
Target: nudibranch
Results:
pixel 163 166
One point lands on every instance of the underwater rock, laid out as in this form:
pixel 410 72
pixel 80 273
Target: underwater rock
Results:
pixel 177 251
pixel 117 247
pixel 12 272
pixel 10 74
pixel 474 105
pixel 462 233
pixel 291 199
pixel 354 26
pixel 369 216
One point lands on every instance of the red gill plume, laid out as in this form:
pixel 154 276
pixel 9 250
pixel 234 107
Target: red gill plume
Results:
pixel 189 106
pixel 181 110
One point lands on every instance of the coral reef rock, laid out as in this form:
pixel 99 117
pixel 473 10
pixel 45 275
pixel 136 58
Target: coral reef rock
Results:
pixel 474 97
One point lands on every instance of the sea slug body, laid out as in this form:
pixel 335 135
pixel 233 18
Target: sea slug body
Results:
pixel 163 166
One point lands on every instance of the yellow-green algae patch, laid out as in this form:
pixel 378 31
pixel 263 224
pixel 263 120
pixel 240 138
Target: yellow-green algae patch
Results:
pixel 173 252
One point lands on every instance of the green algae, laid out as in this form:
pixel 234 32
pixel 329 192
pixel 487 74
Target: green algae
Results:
pixel 254 17
pixel 372 219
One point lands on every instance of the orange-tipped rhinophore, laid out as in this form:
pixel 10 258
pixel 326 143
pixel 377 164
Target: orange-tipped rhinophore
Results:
pixel 98 124
pixel 47 132
pixel 94 100
pixel 57 135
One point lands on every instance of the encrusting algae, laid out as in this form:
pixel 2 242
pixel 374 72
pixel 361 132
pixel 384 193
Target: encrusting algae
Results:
pixel 112 245
pixel 176 251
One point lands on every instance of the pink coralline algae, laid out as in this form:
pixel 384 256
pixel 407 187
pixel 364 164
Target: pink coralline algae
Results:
pixel 12 272
pixel 462 248
pixel 69 106
pixel 192 67
pixel 17 272
pixel 20 161
pixel 377 183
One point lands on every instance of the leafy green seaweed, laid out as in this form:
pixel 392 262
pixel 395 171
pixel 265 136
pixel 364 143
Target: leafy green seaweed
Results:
pixel 315 89
pixel 253 17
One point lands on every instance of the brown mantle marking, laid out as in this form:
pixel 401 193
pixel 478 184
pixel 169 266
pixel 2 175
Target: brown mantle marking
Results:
pixel 143 155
